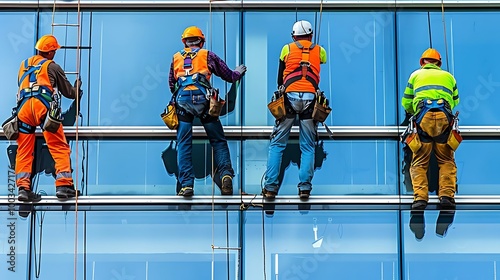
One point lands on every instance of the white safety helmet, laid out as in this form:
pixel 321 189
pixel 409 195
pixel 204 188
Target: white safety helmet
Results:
pixel 302 27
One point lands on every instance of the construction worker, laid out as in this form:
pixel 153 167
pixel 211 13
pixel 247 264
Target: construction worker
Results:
pixel 189 82
pixel 40 81
pixel 431 95
pixel 298 79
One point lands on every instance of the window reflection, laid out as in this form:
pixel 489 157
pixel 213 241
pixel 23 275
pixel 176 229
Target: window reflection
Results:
pixel 341 167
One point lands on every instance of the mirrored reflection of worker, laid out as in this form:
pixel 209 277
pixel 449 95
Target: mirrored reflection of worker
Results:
pixel 43 161
pixel 202 164
pixel 443 223
pixel 298 79
pixel 41 81
pixel 189 82
pixel 430 96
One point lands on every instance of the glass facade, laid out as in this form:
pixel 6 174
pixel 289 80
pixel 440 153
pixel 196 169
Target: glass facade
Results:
pixel 371 52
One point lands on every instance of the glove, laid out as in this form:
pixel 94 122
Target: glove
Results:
pixel 78 84
pixel 241 69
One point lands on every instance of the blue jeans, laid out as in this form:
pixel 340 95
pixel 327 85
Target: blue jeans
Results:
pixel 190 104
pixel 302 104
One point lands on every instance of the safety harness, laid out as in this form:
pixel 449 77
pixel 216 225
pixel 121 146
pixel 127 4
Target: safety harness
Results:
pixel 304 70
pixel 427 105
pixel 197 79
pixel 41 93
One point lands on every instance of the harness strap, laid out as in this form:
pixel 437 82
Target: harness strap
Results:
pixel 304 70
pixel 32 71
pixel 25 128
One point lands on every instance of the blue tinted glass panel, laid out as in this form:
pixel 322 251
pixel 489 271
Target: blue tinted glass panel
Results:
pixel 54 245
pixel 7 177
pixel 476 169
pixel 177 244
pixel 468 35
pixel 319 244
pixel 465 242
pixel 341 167
pixel 18 41
pixel 14 235
pixel 150 167
pixel 130 77
pixel 358 77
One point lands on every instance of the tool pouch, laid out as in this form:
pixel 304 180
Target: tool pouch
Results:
pixel 169 117
pixel 53 119
pixel 413 142
pixel 51 124
pixel 321 108
pixel 454 139
pixel 277 104
pixel 11 127
pixel 320 113
pixel 216 104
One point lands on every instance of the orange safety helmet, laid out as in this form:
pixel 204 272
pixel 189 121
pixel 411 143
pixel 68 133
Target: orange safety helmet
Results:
pixel 191 32
pixel 430 54
pixel 47 43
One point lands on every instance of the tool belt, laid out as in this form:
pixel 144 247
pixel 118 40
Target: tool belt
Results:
pixel 169 117
pixel 216 102
pixel 321 107
pixel 11 126
pixel 454 139
pixel 277 104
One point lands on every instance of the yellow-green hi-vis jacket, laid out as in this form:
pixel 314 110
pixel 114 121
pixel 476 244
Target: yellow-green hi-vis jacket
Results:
pixel 429 82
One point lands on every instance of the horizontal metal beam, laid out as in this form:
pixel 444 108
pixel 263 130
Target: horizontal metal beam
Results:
pixel 255 132
pixel 229 4
pixel 248 199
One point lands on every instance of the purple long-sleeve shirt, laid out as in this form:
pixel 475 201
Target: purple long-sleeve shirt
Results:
pixel 216 65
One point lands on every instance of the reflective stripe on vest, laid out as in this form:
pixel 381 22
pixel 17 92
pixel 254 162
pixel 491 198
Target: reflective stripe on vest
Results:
pixel 302 67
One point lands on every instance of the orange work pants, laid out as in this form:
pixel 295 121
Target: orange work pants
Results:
pixel 434 124
pixel 33 112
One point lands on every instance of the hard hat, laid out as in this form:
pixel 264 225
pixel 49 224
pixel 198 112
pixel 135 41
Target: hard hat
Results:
pixel 430 54
pixel 47 43
pixel 302 27
pixel 191 32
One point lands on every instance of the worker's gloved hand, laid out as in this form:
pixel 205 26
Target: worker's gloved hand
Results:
pixel 406 121
pixel 241 69
pixel 78 84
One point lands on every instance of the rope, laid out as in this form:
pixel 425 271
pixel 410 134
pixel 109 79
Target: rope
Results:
pixel 78 60
pixel 429 27
pixel 320 19
pixel 445 40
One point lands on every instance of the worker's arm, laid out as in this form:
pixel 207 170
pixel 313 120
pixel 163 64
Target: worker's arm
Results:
pixel 58 79
pixel 322 55
pixel 407 100
pixel 171 77
pixel 217 66
pixel 282 64
pixel 456 98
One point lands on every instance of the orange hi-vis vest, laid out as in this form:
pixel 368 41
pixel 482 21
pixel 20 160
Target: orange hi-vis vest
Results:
pixel 302 67
pixel 33 80
pixel 189 62
pixel 41 74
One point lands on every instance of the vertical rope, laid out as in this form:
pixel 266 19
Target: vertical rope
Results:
pixel 445 40
pixel 429 28
pixel 78 53
pixel 320 19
